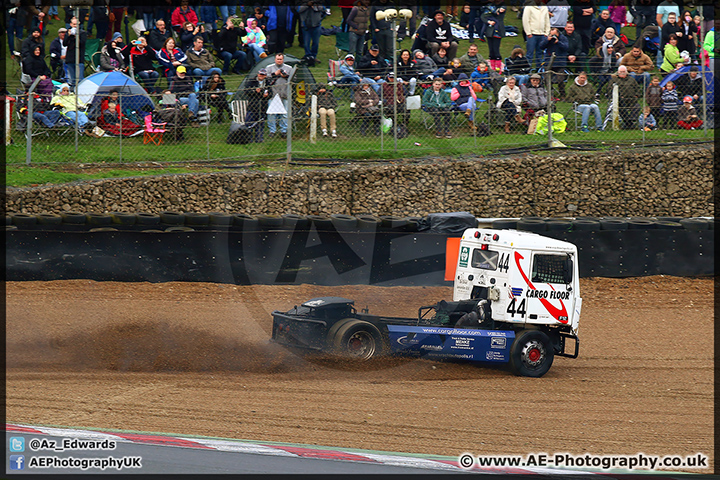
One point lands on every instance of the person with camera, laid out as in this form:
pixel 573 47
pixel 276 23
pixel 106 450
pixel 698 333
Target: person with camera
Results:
pixel 258 95
pixel 189 32
pixel 227 46
pixel 141 60
pixel 555 44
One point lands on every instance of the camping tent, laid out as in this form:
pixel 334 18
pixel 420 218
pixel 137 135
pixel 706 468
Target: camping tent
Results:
pixel 303 76
pixel 97 86
pixel 709 83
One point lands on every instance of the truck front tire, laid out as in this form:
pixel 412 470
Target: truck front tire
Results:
pixel 357 340
pixel 531 354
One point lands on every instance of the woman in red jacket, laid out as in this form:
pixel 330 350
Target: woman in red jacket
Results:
pixel 112 119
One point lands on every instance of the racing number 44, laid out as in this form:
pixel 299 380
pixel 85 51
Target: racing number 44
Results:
pixel 520 308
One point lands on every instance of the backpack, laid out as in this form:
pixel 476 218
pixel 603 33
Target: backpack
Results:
pixel 483 130
pixel 240 133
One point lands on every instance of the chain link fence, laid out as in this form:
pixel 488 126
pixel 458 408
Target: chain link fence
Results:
pixel 354 122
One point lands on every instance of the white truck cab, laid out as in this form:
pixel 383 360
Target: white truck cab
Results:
pixel 526 278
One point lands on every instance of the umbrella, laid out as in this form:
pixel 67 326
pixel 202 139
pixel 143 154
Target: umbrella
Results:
pixel 94 88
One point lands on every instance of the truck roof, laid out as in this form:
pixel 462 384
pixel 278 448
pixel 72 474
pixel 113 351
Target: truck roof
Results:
pixel 515 239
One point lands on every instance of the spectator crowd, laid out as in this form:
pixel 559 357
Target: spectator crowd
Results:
pixel 572 52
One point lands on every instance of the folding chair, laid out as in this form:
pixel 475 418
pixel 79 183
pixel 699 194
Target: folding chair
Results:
pixel 342 44
pixel 92 45
pixel 153 131
pixel 238 108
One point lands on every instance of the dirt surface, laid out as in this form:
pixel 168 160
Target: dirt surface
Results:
pixel 195 359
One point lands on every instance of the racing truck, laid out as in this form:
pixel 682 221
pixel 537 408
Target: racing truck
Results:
pixel 516 301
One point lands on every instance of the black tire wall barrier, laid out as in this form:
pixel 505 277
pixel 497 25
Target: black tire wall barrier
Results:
pixel 323 256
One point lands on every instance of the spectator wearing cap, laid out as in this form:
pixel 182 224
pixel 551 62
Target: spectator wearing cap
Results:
pixel 395 91
pixel 690 84
pixel 182 86
pixel 380 29
pixel 687 115
pixel 357 21
pixel 67 102
pixel 534 94
pixel 347 68
pixel 406 71
pixel 58 50
pixel 373 68
pixel 439 34
pixel 425 67
pixel 279 72
pixel 170 57
pixel 465 98
pixel 258 94
pixel 35 39
pixel 111 55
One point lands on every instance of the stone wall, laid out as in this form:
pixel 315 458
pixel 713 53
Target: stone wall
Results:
pixel 625 183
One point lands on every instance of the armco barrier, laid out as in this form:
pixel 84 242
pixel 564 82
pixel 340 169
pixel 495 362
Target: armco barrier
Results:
pixel 325 256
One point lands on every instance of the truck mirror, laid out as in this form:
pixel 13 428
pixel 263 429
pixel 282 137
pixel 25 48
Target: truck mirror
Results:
pixel 567 270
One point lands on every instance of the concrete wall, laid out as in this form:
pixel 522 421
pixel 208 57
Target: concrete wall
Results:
pixel 626 183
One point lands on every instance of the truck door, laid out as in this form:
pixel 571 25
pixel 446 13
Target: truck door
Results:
pixel 547 292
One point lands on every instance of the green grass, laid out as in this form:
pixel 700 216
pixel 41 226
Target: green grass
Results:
pixel 34 176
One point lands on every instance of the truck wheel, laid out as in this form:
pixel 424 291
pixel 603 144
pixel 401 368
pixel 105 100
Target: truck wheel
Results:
pixel 357 340
pixel 531 354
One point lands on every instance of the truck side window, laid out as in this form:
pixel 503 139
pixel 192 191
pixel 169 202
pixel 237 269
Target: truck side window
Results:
pixel 551 269
pixel 484 259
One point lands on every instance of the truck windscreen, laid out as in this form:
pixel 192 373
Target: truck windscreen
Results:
pixel 485 259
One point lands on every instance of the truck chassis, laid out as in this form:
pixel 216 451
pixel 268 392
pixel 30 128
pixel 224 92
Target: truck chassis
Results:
pixel 460 330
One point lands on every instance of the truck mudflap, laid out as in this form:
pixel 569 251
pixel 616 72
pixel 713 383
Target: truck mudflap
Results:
pixel 460 343
pixel 294 331
pixel 561 351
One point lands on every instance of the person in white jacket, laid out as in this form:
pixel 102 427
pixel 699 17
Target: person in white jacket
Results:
pixel 510 102
pixel 536 25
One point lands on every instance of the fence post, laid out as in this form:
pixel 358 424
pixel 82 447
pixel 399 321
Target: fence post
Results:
pixel 289 115
pixel 642 113
pixel 28 133
pixel 313 119
pixel 550 100
pixel 208 111
pixel 704 97
pixel 380 123
pixel 615 107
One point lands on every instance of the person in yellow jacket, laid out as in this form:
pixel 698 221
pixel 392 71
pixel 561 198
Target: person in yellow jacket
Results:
pixel 709 47
pixel 671 55
pixel 66 101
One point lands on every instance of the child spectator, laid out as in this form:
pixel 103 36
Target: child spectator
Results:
pixel 653 96
pixel 687 115
pixel 670 104
pixel 646 121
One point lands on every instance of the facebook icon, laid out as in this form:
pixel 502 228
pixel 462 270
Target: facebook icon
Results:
pixel 17 462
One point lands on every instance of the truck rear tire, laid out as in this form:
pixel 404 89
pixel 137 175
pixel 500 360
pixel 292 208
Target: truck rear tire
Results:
pixel 531 354
pixel 357 340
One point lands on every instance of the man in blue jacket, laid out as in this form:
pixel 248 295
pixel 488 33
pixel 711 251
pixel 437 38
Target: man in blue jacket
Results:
pixel 279 25
pixel 557 44
pixel 311 14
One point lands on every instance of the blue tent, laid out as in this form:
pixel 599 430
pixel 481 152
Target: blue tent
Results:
pixel 709 83
pixel 97 86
